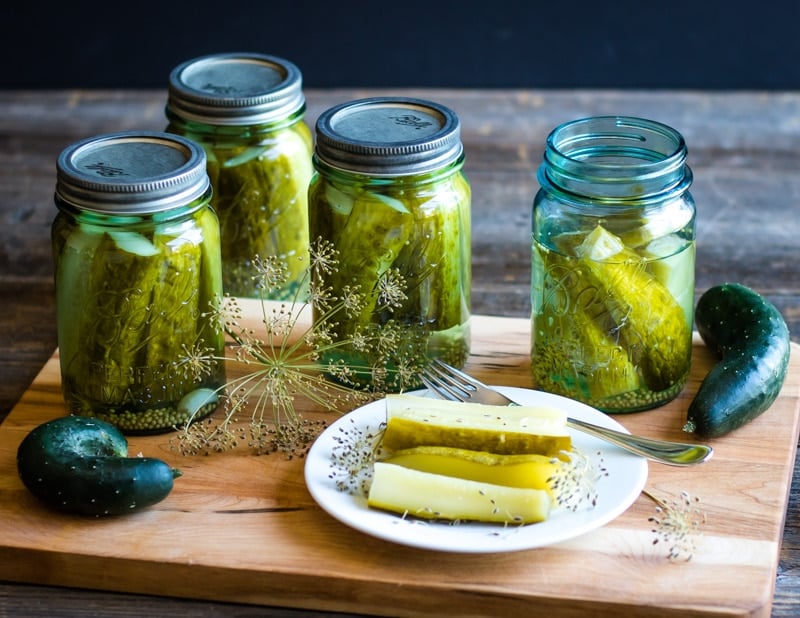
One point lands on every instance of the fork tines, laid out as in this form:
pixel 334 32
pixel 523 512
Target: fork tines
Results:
pixel 448 381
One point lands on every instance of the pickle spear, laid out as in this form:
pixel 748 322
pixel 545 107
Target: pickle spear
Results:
pixel 434 496
pixel 599 371
pixel 574 342
pixel 368 238
pixel 436 264
pixel 260 195
pixel 172 326
pixel 525 471
pixel 415 421
pixel 113 329
pixel 652 325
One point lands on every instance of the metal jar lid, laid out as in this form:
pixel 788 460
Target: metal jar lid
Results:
pixel 132 172
pixel 388 136
pixel 235 89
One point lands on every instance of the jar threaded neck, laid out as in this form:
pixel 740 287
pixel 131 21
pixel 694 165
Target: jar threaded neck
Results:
pixel 615 158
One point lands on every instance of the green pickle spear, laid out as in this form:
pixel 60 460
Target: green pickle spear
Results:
pixel 593 365
pixel 435 281
pixel 651 324
pixel 260 195
pixel 369 239
pixel 176 305
pixel 114 331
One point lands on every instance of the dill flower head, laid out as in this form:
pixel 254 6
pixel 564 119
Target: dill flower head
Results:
pixel 353 456
pixel 324 257
pixel 575 482
pixel 332 366
pixel 677 525
pixel 391 289
pixel 198 361
pixel 271 273
pixel 224 313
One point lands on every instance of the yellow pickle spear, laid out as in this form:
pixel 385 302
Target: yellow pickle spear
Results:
pixel 524 471
pixel 434 496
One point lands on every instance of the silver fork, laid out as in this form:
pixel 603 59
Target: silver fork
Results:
pixel 450 383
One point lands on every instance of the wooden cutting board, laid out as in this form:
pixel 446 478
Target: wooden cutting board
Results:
pixel 243 528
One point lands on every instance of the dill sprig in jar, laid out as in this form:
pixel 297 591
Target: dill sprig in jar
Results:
pixel 138 281
pixel 247 111
pixel 391 197
pixel 613 259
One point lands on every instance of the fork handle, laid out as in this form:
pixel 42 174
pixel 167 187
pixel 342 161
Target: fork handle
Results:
pixel 672 453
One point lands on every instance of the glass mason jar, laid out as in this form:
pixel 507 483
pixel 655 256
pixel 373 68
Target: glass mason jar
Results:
pixel 391 199
pixel 613 256
pixel 247 110
pixel 138 281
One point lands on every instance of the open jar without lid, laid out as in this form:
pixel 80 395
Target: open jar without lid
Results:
pixel 613 258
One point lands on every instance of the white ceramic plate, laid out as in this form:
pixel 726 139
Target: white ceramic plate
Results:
pixel 615 491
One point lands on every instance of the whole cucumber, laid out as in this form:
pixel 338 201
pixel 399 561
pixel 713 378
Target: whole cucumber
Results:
pixel 81 465
pixel 752 339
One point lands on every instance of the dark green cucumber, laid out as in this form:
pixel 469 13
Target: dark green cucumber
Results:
pixel 752 339
pixel 81 465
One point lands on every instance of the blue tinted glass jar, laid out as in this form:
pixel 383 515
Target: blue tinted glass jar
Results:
pixel 247 111
pixel 391 198
pixel 138 281
pixel 613 264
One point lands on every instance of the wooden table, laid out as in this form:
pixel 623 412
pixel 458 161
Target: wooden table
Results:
pixel 744 149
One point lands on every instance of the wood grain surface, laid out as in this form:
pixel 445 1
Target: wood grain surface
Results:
pixel 240 527
pixel 744 149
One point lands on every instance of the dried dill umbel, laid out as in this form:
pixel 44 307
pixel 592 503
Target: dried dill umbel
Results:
pixel 575 482
pixel 353 456
pixel 291 439
pixel 203 438
pixel 282 363
pixel 677 524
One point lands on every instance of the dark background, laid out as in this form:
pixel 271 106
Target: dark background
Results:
pixel 491 44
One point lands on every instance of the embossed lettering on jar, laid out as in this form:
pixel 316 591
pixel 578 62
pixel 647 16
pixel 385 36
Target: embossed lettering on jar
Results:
pixel 391 198
pixel 247 110
pixel 613 258
pixel 138 281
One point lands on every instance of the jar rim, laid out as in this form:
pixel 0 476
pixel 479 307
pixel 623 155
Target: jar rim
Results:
pixel 649 143
pixel 616 157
